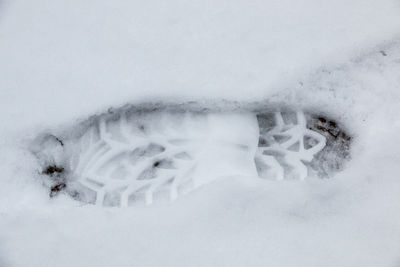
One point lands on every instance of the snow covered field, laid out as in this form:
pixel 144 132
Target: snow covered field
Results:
pixel 63 61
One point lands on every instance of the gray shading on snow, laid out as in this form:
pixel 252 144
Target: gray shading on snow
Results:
pixel 137 153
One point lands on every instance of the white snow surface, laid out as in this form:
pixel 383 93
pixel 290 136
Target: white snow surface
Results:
pixel 62 61
pixel 77 57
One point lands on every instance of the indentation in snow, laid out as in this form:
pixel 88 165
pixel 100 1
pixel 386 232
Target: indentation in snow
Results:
pixel 127 156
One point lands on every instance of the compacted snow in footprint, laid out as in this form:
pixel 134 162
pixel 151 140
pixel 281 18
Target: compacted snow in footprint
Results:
pixel 132 153
pixel 200 134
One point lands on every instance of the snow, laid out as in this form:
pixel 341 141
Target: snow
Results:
pixel 92 55
pixel 62 61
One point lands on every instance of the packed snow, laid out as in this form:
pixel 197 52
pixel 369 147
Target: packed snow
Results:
pixel 64 61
